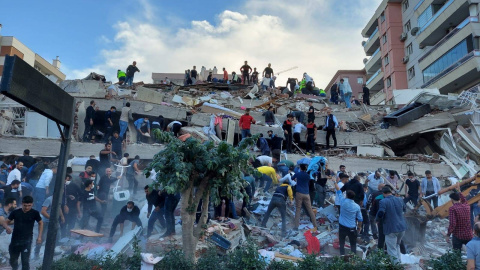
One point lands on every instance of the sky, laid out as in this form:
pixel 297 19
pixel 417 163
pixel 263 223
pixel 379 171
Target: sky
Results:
pixel 163 36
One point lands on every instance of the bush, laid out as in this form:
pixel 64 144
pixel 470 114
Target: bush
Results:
pixel 281 265
pixel 452 260
pixel 210 260
pixel 310 262
pixel 175 259
pixel 246 257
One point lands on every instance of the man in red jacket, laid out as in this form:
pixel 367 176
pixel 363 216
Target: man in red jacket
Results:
pixel 245 121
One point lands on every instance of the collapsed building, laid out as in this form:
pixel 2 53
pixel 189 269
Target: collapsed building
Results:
pixel 424 130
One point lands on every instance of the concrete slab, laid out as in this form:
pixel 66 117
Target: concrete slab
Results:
pixel 149 95
pixel 51 147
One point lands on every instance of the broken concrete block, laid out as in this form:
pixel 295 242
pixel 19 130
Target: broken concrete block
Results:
pixel 367 150
pixel 149 95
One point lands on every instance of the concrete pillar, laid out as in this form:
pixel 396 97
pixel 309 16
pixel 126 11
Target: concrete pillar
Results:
pixel 473 9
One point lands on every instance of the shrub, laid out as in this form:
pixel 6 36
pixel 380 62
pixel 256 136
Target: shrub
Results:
pixel 452 260
pixel 175 259
pixel 210 260
pixel 281 265
pixel 246 257
pixel 310 262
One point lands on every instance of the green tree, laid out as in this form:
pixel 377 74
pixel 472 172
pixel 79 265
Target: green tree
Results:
pixel 199 171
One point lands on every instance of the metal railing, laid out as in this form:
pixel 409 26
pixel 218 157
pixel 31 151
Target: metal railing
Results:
pixel 371 36
pixel 373 76
pixel 436 15
pixel 373 55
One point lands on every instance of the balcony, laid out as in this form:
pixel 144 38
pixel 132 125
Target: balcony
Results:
pixel 375 83
pixel 453 12
pixel 456 77
pixel 372 44
pixel 374 63
pixel 468 27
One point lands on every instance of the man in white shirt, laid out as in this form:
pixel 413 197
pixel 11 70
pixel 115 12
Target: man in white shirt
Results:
pixel 265 160
pixel 41 190
pixel 174 127
pixel 15 174
pixel 373 180
pixel 297 130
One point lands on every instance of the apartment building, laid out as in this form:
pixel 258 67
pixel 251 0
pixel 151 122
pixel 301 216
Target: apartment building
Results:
pixel 356 79
pixel 11 46
pixel 422 44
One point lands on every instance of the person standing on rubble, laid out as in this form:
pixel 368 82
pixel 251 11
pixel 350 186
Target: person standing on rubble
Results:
pixel 334 93
pixel 225 75
pixel 193 75
pixel 268 71
pixel 311 137
pixel 131 69
pixel 275 144
pixel 245 123
pixel 103 187
pixel 372 214
pixel 311 112
pixel 125 116
pixel 24 220
pixel 171 202
pixel 255 76
pixel 89 123
pixel 430 186
pixel 279 200
pixel 246 70
pixel 88 200
pixel 302 197
pixel 373 181
pixel 366 95
pixel 413 189
pixel 331 123
pixel 106 156
pixel 155 198
pixel 109 123
pixel 459 220
pixel 391 214
pixel 45 214
pixel 121 76
pixel 350 222
pixel 347 94
pixel 287 130
pixel 133 170
pixel 297 130
pixel 42 188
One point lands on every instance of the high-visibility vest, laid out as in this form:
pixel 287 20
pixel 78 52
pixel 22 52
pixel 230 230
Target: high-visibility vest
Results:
pixel 322 92
pixel 121 74
pixel 303 84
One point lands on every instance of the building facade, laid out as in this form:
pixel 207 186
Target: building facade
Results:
pixel 423 44
pixel 356 79
pixel 11 46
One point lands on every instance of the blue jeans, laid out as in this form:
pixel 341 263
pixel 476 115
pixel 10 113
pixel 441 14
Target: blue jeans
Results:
pixel 233 210
pixel 154 216
pixel 40 196
pixel 123 128
pixel 342 97
pixel 267 180
pixel 348 96
pixel 245 133
pixel 129 80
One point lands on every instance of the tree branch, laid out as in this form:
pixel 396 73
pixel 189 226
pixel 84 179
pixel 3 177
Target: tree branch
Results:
pixel 204 216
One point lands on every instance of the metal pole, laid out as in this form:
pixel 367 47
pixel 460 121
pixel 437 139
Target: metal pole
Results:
pixel 57 196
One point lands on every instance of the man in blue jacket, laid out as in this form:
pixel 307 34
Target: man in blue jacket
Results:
pixel 429 186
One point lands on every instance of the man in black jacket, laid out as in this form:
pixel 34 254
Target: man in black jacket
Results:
pixel 373 212
pixel 129 212
pixel 287 129
pixel 275 143
pixel 155 198
pixel 130 73
pixel 356 187
pixel 89 116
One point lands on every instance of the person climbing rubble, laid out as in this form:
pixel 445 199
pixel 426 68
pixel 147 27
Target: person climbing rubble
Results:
pixel 282 194
pixel 121 76
pixel 302 196
pixel 131 69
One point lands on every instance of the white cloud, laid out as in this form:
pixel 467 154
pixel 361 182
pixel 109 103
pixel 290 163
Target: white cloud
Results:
pixel 319 37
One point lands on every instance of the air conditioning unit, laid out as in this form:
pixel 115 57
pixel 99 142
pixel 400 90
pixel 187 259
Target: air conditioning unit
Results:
pixel 414 31
pixel 421 46
pixel 403 36
pixel 405 59
pixel 363 43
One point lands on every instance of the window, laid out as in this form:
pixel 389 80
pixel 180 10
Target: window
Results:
pixel 448 59
pixel 386 60
pixel 360 80
pixel 407 27
pixel 427 15
pixel 382 17
pixel 389 82
pixel 409 49
pixel 411 72
pixel 405 5
pixel 384 38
